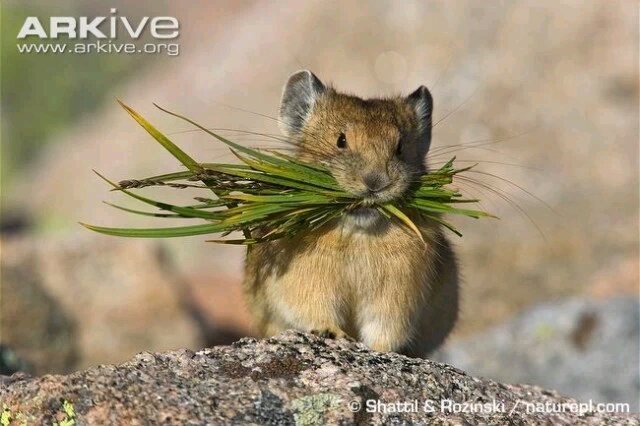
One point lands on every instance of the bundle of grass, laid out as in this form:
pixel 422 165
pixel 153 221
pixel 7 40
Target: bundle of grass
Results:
pixel 271 195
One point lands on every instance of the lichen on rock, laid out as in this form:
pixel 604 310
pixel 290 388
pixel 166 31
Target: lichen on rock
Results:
pixel 293 378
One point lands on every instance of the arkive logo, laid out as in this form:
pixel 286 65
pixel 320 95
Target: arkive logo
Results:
pixel 100 27
pixel 112 34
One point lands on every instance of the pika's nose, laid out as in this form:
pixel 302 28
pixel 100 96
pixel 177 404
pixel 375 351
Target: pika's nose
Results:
pixel 375 181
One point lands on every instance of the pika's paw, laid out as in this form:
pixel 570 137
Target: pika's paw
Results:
pixel 331 333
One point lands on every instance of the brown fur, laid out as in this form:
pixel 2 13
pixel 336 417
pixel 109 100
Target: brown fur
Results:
pixel 374 280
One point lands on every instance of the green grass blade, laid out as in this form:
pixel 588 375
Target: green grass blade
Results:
pixel 300 198
pixel 297 166
pixel 183 231
pixel 179 154
pixel 284 183
pixel 143 213
pixel 394 211
pixel 187 212
pixel 241 242
pixel 445 224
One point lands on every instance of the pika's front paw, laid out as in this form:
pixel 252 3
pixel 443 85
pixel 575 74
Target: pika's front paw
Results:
pixel 331 333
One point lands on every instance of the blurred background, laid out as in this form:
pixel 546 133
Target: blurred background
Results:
pixel 543 95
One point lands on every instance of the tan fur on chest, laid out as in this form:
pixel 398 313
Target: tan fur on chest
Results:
pixel 340 278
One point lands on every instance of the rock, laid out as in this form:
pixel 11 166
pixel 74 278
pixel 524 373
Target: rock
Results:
pixel 294 378
pixel 10 362
pixel 36 333
pixel 217 302
pixel 584 348
pixel 620 278
pixel 122 297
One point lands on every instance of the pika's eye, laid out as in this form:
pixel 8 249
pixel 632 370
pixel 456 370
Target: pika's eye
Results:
pixel 399 147
pixel 342 141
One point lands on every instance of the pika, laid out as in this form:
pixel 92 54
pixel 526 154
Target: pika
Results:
pixel 362 275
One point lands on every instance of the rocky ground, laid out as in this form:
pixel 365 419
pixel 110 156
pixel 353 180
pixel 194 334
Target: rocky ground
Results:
pixel 293 378
pixel 585 348
pixel 69 303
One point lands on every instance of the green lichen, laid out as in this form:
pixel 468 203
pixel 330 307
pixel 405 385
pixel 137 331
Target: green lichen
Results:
pixel 8 417
pixel 69 415
pixel 309 410
pixel 5 417
pixel 544 332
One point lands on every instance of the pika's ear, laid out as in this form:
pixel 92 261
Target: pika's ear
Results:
pixel 422 104
pixel 298 97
